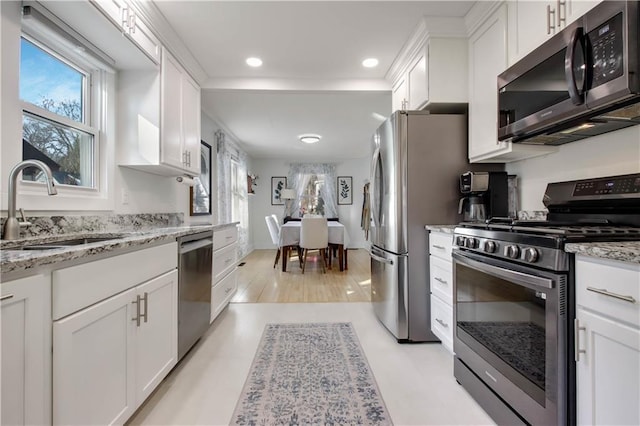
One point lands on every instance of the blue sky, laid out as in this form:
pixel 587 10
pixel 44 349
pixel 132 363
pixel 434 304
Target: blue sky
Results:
pixel 43 75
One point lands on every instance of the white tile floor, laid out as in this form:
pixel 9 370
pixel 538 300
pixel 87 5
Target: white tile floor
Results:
pixel 416 380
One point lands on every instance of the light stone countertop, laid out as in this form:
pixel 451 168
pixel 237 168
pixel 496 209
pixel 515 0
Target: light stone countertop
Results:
pixel 447 229
pixel 624 251
pixel 13 261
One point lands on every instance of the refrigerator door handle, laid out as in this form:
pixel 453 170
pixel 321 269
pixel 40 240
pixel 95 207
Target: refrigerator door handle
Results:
pixel 380 259
pixel 374 188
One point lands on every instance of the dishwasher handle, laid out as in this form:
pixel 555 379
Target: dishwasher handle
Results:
pixel 195 245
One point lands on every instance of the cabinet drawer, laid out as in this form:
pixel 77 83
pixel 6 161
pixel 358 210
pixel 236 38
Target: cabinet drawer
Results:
pixel 441 279
pixel 440 245
pixel 442 321
pixel 79 286
pixel 224 260
pixel 616 278
pixel 224 237
pixel 222 292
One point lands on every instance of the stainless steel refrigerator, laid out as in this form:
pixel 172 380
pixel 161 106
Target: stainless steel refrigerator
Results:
pixel 417 160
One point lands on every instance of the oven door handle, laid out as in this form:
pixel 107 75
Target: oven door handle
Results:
pixel 527 280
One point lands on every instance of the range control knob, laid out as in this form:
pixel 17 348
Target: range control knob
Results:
pixel 471 243
pixel 490 247
pixel 460 241
pixel 531 255
pixel 512 251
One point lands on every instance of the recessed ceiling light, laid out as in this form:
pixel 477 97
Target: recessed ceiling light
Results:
pixel 254 62
pixel 370 63
pixel 310 138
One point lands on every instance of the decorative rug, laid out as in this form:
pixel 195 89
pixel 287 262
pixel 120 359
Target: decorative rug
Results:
pixel 306 374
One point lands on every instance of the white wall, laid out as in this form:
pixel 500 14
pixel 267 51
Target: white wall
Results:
pixel 609 154
pixel 260 203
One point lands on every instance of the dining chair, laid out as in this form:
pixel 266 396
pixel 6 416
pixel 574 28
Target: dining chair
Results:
pixel 275 235
pixel 314 235
pixel 276 221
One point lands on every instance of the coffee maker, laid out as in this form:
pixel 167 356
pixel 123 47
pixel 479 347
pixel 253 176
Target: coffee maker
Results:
pixel 486 195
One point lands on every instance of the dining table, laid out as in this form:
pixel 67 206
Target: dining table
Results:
pixel 290 239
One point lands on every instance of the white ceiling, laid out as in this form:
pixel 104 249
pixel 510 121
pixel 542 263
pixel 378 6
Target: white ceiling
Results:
pixel 307 47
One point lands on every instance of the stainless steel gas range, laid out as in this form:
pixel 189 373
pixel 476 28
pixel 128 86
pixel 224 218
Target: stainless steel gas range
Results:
pixel 514 298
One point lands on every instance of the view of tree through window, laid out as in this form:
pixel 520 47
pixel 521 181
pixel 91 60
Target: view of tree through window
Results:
pixel 311 201
pixel 52 136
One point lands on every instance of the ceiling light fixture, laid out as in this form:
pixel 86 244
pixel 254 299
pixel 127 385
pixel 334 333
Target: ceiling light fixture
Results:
pixel 370 63
pixel 254 62
pixel 310 138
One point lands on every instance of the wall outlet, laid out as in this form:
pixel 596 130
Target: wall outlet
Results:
pixel 125 196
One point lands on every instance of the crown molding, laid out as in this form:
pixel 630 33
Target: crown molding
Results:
pixel 168 37
pixel 479 13
pixel 428 27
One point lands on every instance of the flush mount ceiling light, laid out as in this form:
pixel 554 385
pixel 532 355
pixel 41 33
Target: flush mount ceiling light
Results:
pixel 310 138
pixel 370 63
pixel 254 62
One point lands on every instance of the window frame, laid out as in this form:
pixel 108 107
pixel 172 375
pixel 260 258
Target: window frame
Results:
pixel 90 107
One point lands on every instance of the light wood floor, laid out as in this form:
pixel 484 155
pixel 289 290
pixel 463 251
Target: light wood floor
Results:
pixel 260 282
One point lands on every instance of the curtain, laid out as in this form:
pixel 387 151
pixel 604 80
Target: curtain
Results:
pixel 233 204
pixel 298 179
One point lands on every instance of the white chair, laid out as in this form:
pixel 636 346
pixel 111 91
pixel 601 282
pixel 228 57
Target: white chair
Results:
pixel 272 224
pixel 277 222
pixel 314 235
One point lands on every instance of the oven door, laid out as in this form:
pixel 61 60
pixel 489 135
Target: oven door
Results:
pixel 511 331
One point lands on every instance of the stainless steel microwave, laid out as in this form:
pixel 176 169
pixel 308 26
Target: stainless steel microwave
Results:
pixel 582 82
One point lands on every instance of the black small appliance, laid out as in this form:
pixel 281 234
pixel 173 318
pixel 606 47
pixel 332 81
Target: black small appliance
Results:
pixel 486 196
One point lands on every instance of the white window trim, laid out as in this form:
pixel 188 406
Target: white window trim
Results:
pixel 100 114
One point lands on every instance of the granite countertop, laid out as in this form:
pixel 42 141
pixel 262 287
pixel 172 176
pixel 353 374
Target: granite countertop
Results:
pixel 448 229
pixel 624 251
pixel 23 260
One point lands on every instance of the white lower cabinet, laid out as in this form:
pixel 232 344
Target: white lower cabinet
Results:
pixel 441 285
pixel 608 340
pixel 26 345
pixel 110 356
pixel 224 286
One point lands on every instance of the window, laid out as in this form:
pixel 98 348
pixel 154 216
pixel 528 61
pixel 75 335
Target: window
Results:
pixel 238 192
pixel 311 200
pixel 57 122
pixel 315 189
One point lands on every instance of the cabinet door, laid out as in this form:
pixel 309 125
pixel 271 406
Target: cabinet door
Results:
pixel 576 8
pixel 529 25
pixel 399 95
pixel 24 367
pixel 157 334
pixel 116 10
pixel 141 34
pixel 418 83
pixel 487 59
pixel 191 123
pixel 608 374
pixel 93 381
pixel 171 151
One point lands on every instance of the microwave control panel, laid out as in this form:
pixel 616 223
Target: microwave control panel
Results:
pixel 607 46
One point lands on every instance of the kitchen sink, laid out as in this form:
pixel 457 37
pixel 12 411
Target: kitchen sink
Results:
pixel 66 243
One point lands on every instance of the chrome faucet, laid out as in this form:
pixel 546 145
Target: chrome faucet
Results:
pixel 11 229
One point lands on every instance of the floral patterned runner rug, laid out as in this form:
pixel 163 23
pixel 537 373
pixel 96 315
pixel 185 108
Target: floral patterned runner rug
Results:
pixel 306 374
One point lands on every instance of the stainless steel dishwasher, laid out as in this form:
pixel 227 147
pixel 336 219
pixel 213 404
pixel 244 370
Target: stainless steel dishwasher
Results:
pixel 195 257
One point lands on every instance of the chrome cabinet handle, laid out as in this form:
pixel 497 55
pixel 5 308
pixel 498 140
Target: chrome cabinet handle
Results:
pixel 576 340
pixel 227 290
pixel 137 318
pixel 124 18
pixel 550 20
pixel 146 304
pixel 440 280
pixel 6 297
pixel 442 323
pixel 605 292
pixel 132 23
pixel 439 247
pixel 562 4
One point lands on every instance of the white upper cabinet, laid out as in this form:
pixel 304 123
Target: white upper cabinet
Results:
pixel 487 59
pixel 431 69
pixel 532 22
pixel 124 15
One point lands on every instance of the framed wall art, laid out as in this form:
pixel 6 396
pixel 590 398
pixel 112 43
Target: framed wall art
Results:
pixel 345 190
pixel 278 183
pixel 200 192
